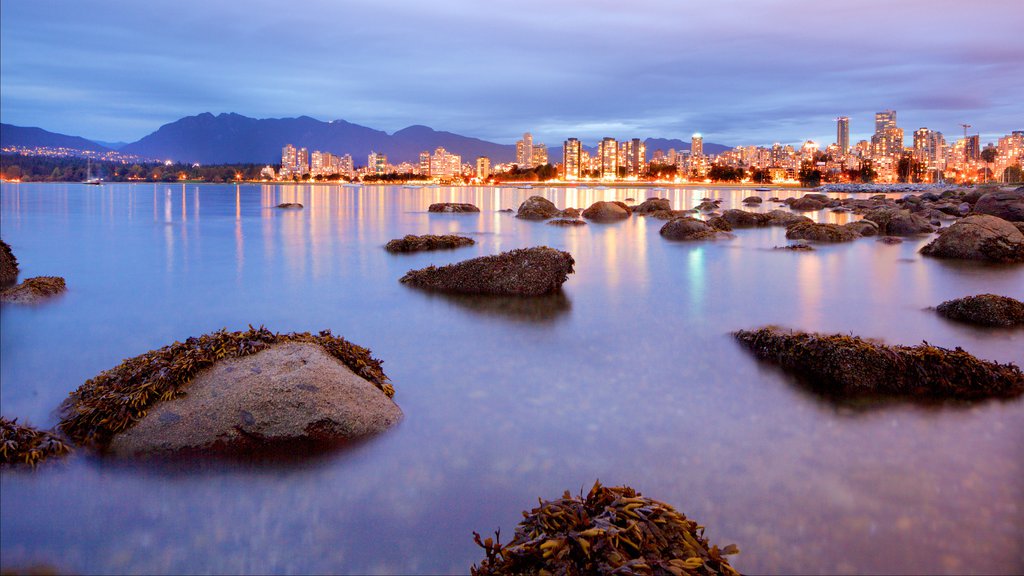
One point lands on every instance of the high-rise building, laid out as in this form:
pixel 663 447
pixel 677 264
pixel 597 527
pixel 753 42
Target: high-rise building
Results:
pixel 843 134
pixel 571 161
pixel 345 165
pixel 443 163
pixel 973 147
pixel 697 146
pixel 289 160
pixel 524 151
pixel 483 167
pixel 634 157
pixel 885 119
pixel 539 156
pixel 424 168
pixel 377 163
pixel 303 161
pixel 608 156
pixel 888 138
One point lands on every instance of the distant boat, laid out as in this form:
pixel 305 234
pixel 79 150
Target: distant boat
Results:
pixel 88 175
pixel 525 187
pixel 762 189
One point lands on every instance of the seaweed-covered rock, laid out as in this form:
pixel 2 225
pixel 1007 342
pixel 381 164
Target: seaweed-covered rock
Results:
pixel 890 240
pixel 862 227
pixel 606 211
pixel 569 213
pixel 753 200
pixel 743 219
pixel 567 222
pixel 411 243
pixel 807 203
pixel 452 207
pixel 290 206
pixel 653 205
pixel 610 531
pixel 979 237
pixel 8 265
pixel 1005 204
pixel 720 223
pixel 843 365
pixel 524 272
pixel 784 218
pixel 294 390
pixel 821 232
pixel 537 208
pixel 687 228
pixel 895 222
pixel 669 214
pixel 984 309
pixel 708 205
pixel 23 444
pixel 796 247
pixel 33 290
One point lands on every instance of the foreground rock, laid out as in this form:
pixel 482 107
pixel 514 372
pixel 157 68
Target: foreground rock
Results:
pixel 8 265
pixel 23 444
pixel 1005 204
pixel 821 232
pixel 33 290
pixel 687 228
pixel 652 205
pixel 984 310
pixel 537 208
pixel 412 243
pixel 233 393
pixel 895 222
pixel 847 365
pixel 979 237
pixel 610 531
pixel 606 211
pixel 524 272
pixel 452 207
pixel 290 206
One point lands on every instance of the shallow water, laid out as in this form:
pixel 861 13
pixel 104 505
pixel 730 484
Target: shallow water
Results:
pixel 629 377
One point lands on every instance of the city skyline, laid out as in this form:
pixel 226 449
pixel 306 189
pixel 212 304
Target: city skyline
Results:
pixel 781 73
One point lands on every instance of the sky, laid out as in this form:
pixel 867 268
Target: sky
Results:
pixel 739 71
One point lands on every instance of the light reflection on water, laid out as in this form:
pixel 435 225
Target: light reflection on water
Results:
pixel 628 376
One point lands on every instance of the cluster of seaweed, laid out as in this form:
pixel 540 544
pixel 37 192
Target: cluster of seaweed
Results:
pixel 411 243
pixel 984 310
pixel 838 363
pixel 115 399
pixel 22 444
pixel 610 531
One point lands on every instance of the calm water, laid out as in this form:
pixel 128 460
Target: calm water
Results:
pixel 630 377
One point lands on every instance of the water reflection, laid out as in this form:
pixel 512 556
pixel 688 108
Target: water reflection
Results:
pixel 546 308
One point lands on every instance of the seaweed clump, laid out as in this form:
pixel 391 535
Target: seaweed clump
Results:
pixel 116 399
pixel 843 364
pixel 412 243
pixel 22 444
pixel 611 531
pixel 984 309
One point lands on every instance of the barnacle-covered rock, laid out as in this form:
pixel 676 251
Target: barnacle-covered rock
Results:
pixel 567 222
pixel 411 243
pixel 537 208
pixel 233 393
pixel 821 232
pixel 606 211
pixel 523 272
pixel 808 203
pixel 862 227
pixel 744 219
pixel 896 222
pixel 8 265
pixel 687 228
pixel 290 206
pixel 753 200
pixel 848 365
pixel 32 290
pixel 796 247
pixel 783 218
pixel 653 204
pixel 452 207
pixel 979 237
pixel 24 444
pixel 1005 204
pixel 984 310
pixel 610 531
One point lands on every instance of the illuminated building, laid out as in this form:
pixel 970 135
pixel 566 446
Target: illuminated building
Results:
pixel 571 160
pixel 483 167
pixel 888 138
pixel 843 134
pixel 539 155
pixel 634 157
pixel 524 151
pixel 377 163
pixel 697 146
pixel 303 161
pixel 289 160
pixel 608 156
pixel 973 147
pixel 424 167
pixel 442 163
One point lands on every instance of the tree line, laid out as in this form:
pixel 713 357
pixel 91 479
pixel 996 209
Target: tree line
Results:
pixel 67 169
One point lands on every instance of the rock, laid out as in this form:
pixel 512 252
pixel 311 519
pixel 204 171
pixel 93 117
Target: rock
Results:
pixel 847 365
pixel 1005 204
pixel 807 204
pixel 784 218
pixel 707 206
pixel 1019 225
pixel 720 223
pixel 606 211
pixel 669 214
pixel 796 248
pixel 506 210
pixel 630 199
pixel 653 205
pixel 233 393
pixel 290 206
pixel 894 222
pixel 984 310
pixel 753 200
pixel 537 208
pixel 8 265
pixel 567 222
pixel 524 272
pixel 587 535
pixel 24 444
pixel 33 290
pixel 687 228
pixel 452 207
pixel 890 240
pixel 974 195
pixel 743 219
pixel 412 243
pixel 569 213
pixel 821 232
pixel 979 237
pixel 863 227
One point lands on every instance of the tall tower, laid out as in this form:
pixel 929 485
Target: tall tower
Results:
pixel 524 151
pixel 571 159
pixel 608 153
pixel 884 119
pixel 843 133
pixel 697 146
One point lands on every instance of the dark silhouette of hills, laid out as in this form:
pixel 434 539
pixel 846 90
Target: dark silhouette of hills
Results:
pixel 11 135
pixel 680 145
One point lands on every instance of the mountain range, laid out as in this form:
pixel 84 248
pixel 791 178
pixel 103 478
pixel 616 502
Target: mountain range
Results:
pixel 233 138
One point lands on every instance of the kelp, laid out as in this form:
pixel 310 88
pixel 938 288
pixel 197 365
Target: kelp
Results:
pixel 116 399
pixel 610 531
pixel 23 444
pixel 848 365
pixel 984 310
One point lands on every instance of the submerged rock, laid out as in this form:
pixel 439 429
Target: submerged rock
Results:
pixel 1005 204
pixel 784 218
pixel 567 222
pixel 8 265
pixel 821 232
pixel 862 227
pixel 610 531
pixel 524 272
pixel 743 219
pixel 233 392
pixel 753 200
pixel 569 213
pixel 412 243
pixel 848 365
pixel 290 206
pixel 895 222
pixel 720 223
pixel 687 228
pixel 653 205
pixel 807 203
pixel 452 207
pixel 24 444
pixel 890 240
pixel 979 237
pixel 708 205
pixel 606 211
pixel 984 310
pixel 537 208
pixel 33 290
pixel 669 214
pixel 796 248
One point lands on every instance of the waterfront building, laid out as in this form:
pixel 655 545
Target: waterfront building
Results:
pixel 424 164
pixel 303 162
pixel 973 148
pixel 571 159
pixel 524 151
pixel 608 156
pixel 444 163
pixel 483 167
pixel 634 157
pixel 377 163
pixel 539 155
pixel 843 134
pixel 289 160
pixel 888 137
pixel 697 146
pixel 345 165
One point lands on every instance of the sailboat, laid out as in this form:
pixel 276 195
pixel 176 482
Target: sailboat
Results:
pixel 88 174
